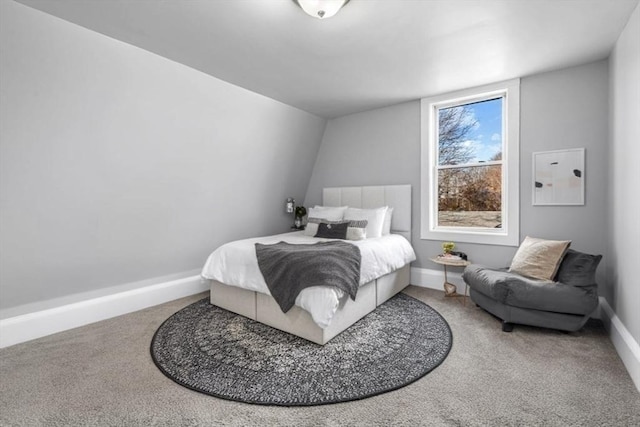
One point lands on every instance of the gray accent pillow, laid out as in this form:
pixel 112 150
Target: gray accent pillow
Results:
pixel 357 230
pixel 333 231
pixel 578 269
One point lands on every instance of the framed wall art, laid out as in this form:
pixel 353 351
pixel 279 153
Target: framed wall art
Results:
pixel 558 177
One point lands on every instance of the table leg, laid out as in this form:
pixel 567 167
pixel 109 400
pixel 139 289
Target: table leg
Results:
pixel 449 288
pixel 466 290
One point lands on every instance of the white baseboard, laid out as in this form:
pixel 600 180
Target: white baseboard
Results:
pixel 434 279
pixel 627 347
pixel 26 327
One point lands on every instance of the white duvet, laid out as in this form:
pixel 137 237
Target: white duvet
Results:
pixel 236 264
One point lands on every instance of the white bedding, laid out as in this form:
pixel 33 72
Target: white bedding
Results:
pixel 235 264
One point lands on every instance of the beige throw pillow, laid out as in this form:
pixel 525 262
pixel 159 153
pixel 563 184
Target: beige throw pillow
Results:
pixel 539 258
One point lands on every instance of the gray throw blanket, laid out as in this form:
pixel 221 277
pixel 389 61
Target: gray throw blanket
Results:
pixel 289 268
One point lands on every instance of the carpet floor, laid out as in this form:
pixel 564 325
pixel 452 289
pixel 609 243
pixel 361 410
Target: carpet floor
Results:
pixel 102 374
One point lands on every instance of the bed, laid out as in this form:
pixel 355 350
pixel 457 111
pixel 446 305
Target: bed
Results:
pixel 321 312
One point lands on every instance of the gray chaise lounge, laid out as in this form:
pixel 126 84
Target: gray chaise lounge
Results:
pixel 565 304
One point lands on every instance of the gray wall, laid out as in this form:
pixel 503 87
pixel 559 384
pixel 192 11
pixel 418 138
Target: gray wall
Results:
pixel 623 291
pixel 118 165
pixel 562 109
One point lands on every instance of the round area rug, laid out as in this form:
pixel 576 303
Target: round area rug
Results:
pixel 214 351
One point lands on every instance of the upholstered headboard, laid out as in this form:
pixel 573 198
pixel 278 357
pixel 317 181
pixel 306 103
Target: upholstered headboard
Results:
pixel 396 196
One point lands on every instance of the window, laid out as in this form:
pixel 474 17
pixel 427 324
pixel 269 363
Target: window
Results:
pixel 470 162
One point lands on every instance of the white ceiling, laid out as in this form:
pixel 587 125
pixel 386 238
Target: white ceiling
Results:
pixel 373 53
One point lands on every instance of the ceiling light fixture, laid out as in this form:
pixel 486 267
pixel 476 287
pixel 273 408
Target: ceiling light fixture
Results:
pixel 321 9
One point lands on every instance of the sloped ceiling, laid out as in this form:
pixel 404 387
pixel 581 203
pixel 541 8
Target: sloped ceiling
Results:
pixel 373 53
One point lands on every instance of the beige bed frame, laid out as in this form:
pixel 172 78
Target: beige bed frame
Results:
pixel 264 309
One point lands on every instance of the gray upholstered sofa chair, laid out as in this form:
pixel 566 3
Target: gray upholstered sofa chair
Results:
pixel 564 304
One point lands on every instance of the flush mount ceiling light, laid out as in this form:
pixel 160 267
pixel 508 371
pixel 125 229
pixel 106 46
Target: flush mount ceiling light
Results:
pixel 321 9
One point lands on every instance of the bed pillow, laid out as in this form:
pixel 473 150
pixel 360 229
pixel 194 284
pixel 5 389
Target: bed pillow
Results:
pixel 539 258
pixel 330 213
pixel 312 225
pixel 335 230
pixel 578 269
pixel 374 217
pixel 386 226
pixel 356 230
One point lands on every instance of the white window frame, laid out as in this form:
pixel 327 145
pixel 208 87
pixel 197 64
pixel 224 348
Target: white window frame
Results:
pixel 509 233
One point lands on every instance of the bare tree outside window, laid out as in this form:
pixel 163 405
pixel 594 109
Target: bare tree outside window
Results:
pixel 455 124
pixel 470 165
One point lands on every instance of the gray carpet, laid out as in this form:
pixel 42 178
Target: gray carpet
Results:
pixel 102 374
pixel 216 352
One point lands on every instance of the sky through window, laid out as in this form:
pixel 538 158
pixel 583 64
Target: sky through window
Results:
pixel 486 137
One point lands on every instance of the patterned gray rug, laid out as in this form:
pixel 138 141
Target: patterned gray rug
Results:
pixel 214 351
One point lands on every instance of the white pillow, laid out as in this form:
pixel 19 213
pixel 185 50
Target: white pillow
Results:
pixel 330 213
pixel 375 218
pixel 386 227
pixel 357 230
pixel 312 226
